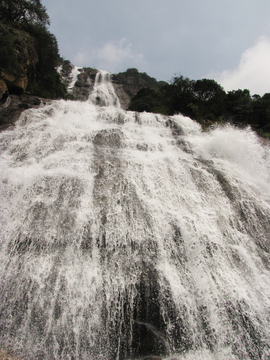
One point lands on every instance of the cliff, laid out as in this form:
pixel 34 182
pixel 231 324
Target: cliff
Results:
pixel 126 87
pixel 80 82
pixel 18 59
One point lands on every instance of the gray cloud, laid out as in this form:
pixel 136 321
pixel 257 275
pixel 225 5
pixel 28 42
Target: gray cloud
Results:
pixel 192 37
pixel 112 56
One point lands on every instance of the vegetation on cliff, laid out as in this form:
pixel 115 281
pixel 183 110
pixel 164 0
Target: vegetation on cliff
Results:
pixel 23 22
pixel 207 102
pixel 133 76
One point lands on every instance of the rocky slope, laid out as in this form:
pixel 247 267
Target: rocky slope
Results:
pixel 127 87
pixel 18 63
pixel 80 82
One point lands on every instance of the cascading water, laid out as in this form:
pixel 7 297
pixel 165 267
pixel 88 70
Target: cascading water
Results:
pixel 104 93
pixel 125 235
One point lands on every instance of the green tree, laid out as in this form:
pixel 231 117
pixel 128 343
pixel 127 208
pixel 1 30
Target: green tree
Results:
pixel 31 16
pixel 209 98
pixel 46 82
pixel 149 100
pixel 261 111
pixel 24 12
pixel 239 106
pixel 178 95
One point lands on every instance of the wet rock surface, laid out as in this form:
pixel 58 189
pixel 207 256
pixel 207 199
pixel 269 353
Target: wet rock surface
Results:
pixel 14 105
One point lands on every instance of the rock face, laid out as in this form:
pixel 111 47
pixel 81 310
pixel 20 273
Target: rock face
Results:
pixel 126 88
pixel 84 84
pixel 11 110
pixel 3 87
pixel 81 83
pixel 18 61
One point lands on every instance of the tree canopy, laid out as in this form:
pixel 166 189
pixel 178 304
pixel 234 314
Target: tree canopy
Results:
pixel 24 12
pixel 31 16
pixel 206 101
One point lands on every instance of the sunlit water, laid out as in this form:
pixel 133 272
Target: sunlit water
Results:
pixel 125 235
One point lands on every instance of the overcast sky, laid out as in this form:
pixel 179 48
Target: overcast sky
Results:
pixel 225 40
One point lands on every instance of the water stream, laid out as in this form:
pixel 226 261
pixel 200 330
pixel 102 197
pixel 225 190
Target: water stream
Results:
pixel 125 235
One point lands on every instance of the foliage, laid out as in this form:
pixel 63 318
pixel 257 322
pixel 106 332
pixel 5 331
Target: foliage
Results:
pixel 205 100
pixel 261 111
pixel 8 58
pixel 47 81
pixel 179 95
pixel 239 106
pixel 209 98
pixel 148 100
pixel 31 16
pixel 197 99
pixel 24 12
pixel 140 78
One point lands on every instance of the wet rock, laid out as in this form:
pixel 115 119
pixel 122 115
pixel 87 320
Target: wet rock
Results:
pixel 126 88
pixel 111 137
pixel 176 129
pixel 151 340
pixel 3 88
pixel 14 105
pixel 83 86
pixel 7 355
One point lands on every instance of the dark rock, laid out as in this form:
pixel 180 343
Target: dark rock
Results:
pixel 83 80
pixel 14 105
pixel 15 74
pixel 66 69
pixel 111 138
pixel 84 84
pixel 3 88
pixel 149 340
pixel 176 129
pixel 126 88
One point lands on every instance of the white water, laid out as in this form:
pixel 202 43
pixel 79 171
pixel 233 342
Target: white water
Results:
pixel 104 93
pixel 125 235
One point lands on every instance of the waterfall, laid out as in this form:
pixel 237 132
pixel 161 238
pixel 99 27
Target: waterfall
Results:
pixel 126 235
pixel 104 93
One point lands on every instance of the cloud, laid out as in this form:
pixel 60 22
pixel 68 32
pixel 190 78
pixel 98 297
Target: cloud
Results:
pixel 113 56
pixel 253 71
